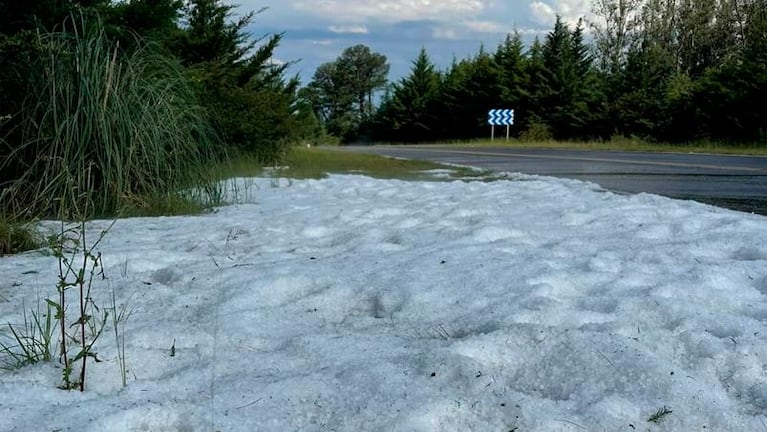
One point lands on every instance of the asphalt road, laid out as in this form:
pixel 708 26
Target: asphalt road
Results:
pixel 737 182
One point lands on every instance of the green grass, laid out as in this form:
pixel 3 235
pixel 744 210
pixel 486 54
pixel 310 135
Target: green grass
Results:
pixel 622 144
pixel 242 165
pixel 167 204
pixel 106 130
pixel 317 163
pixel 303 163
pixel 17 237
pixel 30 342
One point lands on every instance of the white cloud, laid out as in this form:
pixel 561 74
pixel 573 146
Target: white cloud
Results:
pixel 390 10
pixel 322 42
pixel 545 12
pixel 533 31
pixel 355 29
pixel 464 29
pixel 542 13
pixel 485 26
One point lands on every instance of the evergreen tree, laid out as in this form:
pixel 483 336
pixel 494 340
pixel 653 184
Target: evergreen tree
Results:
pixel 732 98
pixel 156 19
pixel 18 16
pixel 410 111
pixel 531 118
pixel 640 106
pixel 213 39
pixel 566 91
pixel 333 101
pixel 510 59
pixel 248 98
pixel 470 89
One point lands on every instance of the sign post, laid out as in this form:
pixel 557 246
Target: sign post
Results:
pixel 500 117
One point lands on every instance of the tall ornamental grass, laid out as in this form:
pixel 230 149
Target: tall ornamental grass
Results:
pixel 123 129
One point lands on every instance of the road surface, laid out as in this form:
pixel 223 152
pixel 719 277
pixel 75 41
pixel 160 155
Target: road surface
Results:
pixel 738 182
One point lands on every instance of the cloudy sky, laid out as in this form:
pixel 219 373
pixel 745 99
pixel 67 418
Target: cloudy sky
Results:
pixel 317 31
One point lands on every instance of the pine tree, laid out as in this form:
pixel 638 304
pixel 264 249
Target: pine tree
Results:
pixel 411 108
pixel 510 59
pixel 566 89
pixel 470 89
pixel 20 15
pixel 731 98
pixel 333 101
pixel 534 69
pixel 155 19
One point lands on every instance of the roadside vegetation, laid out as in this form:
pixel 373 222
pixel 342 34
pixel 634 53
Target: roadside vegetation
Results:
pixel 177 94
pixel 123 130
pixel 121 108
pixel 685 73
pixel 319 162
pixel 17 237
pixel 617 144
pixel 130 106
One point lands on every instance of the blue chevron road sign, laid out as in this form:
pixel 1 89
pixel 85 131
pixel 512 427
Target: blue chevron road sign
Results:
pixel 500 117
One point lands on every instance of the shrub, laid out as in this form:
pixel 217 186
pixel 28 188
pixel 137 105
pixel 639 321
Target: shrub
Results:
pixel 116 125
pixel 16 237
pixel 255 122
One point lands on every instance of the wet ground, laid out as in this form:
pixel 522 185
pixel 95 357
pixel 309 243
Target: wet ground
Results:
pixel 736 182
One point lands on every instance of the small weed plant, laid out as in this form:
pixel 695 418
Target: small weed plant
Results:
pixel 71 318
pixel 120 314
pixel 32 341
pixel 79 265
pixel 77 328
pixel 660 414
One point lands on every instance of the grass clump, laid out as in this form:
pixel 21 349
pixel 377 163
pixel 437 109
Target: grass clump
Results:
pixel 241 165
pixel 119 315
pixel 122 125
pixel 16 237
pixel 31 341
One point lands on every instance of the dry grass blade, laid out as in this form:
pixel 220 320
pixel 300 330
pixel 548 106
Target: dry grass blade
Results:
pixel 659 415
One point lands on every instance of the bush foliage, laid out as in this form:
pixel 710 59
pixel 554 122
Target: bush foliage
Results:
pixel 130 102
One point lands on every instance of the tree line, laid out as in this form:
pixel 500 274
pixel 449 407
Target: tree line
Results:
pixel 662 70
